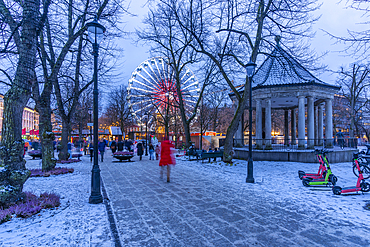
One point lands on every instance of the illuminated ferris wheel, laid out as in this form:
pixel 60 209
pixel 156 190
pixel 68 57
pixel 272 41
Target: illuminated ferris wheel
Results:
pixel 152 89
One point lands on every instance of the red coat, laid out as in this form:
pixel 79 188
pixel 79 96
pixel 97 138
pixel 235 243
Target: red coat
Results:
pixel 167 157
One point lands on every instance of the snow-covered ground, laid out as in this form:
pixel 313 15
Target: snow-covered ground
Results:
pixel 78 223
pixel 280 181
pixel 74 223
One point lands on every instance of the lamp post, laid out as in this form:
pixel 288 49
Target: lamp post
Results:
pixel 146 135
pixel 90 113
pixel 96 32
pixel 250 71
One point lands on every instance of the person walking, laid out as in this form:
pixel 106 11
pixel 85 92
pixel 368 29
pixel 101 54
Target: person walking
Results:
pixel 101 148
pixel 140 149
pixel 151 151
pixel 120 145
pixel 113 146
pixel 340 139
pixel 157 151
pixel 91 150
pixel 167 158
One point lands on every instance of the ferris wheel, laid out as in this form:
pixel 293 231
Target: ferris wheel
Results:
pixel 152 89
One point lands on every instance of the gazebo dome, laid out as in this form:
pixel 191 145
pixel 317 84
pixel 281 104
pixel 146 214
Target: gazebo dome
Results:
pixel 281 69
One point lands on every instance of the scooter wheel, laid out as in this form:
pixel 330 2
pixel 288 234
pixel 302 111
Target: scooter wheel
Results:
pixel 301 174
pixel 365 187
pixel 337 190
pixel 333 179
pixel 306 182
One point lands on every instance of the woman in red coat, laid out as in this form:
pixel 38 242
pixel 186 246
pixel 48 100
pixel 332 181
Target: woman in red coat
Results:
pixel 167 158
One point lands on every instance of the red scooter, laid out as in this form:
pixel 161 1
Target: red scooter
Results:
pixel 361 185
pixel 321 156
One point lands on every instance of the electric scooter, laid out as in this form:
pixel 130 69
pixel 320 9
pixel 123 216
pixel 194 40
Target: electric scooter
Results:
pixel 361 185
pixel 329 178
pixel 322 169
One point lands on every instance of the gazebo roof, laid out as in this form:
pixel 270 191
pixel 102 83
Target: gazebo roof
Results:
pixel 281 69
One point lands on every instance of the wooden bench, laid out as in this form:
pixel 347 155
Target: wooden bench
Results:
pixel 209 155
pixel 194 153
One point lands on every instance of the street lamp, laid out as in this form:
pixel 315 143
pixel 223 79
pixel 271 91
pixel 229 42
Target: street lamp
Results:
pixel 250 71
pixel 96 32
pixel 146 135
pixel 90 113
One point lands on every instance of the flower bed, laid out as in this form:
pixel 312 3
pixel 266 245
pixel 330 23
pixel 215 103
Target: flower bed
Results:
pixel 68 161
pixel 55 171
pixel 30 205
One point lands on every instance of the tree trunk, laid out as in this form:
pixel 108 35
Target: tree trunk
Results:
pixel 47 137
pixel 63 154
pixel 13 172
pixel 233 127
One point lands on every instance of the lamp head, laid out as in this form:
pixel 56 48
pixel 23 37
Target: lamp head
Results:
pixel 250 68
pixel 96 31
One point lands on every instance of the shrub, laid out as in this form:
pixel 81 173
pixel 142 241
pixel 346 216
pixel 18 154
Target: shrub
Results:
pixel 30 205
pixel 5 215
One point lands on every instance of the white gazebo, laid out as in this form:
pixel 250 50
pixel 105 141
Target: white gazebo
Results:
pixel 281 82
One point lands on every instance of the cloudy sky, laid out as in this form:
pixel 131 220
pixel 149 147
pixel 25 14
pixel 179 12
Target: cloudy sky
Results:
pixel 335 18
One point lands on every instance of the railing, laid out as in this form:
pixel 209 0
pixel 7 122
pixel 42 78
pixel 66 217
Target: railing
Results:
pixel 288 144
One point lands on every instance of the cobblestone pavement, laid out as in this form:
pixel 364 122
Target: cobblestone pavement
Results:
pixel 199 209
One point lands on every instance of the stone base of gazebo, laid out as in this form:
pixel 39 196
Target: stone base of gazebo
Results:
pixel 304 156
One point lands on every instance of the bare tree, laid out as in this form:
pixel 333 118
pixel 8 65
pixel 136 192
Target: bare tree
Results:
pixel 170 40
pixel 117 111
pixel 69 61
pixel 232 33
pixel 21 23
pixel 355 83
pixel 358 42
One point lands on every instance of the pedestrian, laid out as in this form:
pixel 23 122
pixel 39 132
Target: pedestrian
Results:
pixel 151 151
pixel 101 148
pixel 167 158
pixel 91 150
pixel 157 151
pixel 120 145
pixel 69 147
pixel 113 146
pixel 140 149
pixel 340 139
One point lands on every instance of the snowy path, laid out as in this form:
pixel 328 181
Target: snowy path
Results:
pixel 211 205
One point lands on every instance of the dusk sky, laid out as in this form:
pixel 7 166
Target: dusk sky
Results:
pixel 335 19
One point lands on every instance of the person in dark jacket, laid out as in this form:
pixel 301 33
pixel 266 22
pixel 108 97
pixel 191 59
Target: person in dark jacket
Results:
pixel 151 151
pixel 101 148
pixel 91 151
pixel 113 146
pixel 140 149
pixel 120 145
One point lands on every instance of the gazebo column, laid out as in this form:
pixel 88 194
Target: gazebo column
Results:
pixel 293 128
pixel 258 123
pixel 320 127
pixel 328 123
pixel 310 123
pixel 301 122
pixel 286 127
pixel 316 126
pixel 268 124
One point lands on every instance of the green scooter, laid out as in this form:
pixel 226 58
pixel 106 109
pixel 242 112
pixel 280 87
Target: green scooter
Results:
pixel 329 178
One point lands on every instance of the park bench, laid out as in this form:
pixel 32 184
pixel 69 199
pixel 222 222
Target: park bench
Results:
pixel 209 155
pixel 193 153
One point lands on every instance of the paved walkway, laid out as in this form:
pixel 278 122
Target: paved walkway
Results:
pixel 199 209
